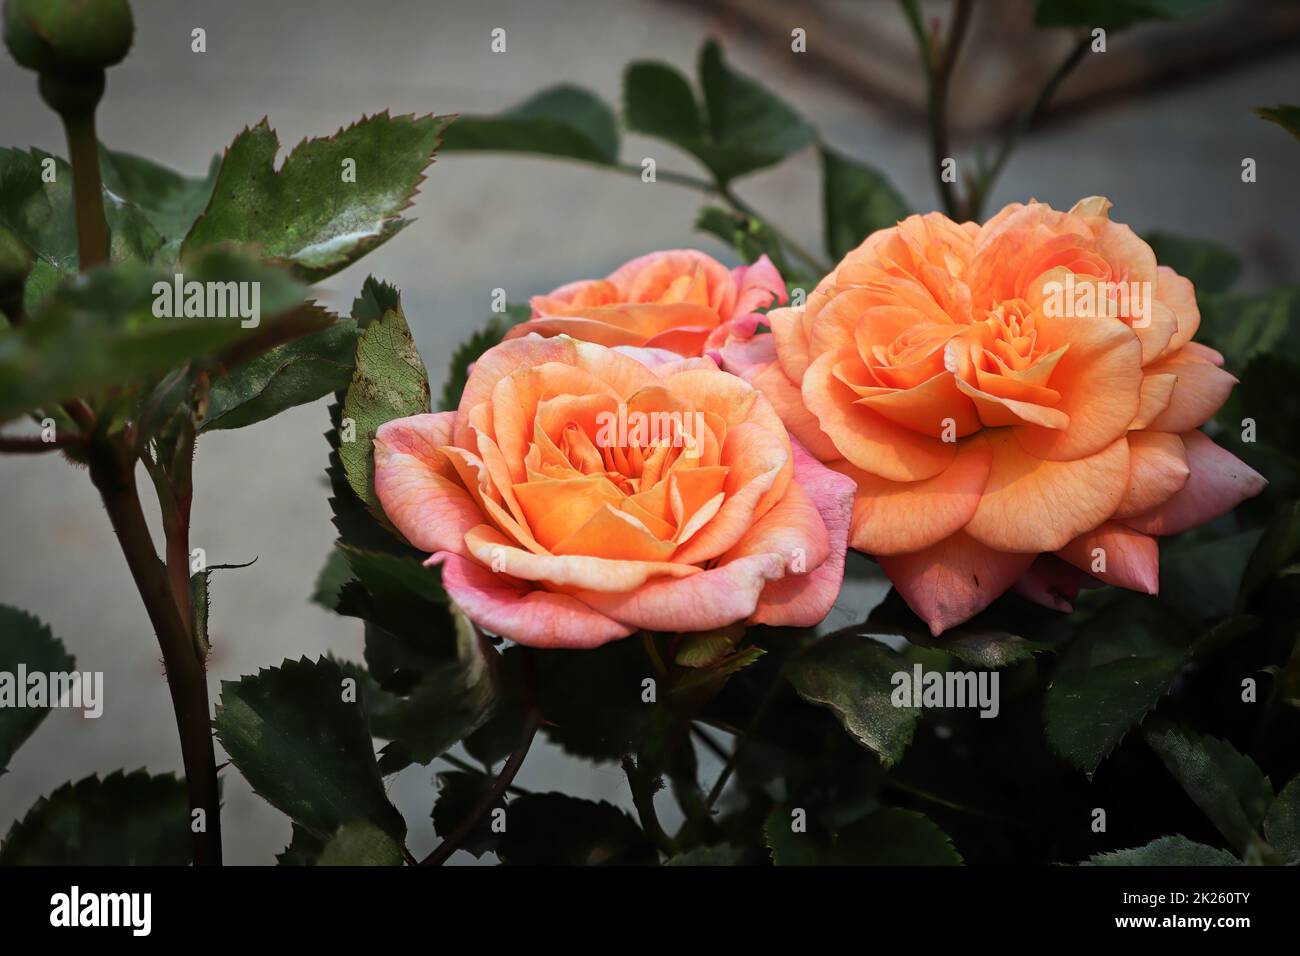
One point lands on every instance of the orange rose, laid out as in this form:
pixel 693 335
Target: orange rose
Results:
pixel 578 495
pixel 1029 387
pixel 671 300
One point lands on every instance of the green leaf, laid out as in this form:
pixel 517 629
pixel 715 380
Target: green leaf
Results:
pixel 1210 266
pixel 43 216
pixel 376 298
pixel 749 237
pixel 284 377
pixel 389 382
pixel 459 794
pixel 1228 787
pixel 742 128
pixel 304 848
pixel 171 202
pixel 393 577
pixel 1282 824
pixel 468 352
pixel 1286 116
pixel 100 330
pixel 1203 579
pixel 1115 14
pixel 856 201
pixel 449 704
pixel 562 120
pixel 721 855
pixel 986 650
pixel 750 127
pixel 304 748
pixel 361 843
pixel 893 836
pixel 1089 711
pixel 305 215
pixel 26 642
pixel 125 819
pixel 555 829
pixel 852 675
pixel 1245 325
pixel 658 101
pixel 331 578
pixel 889 836
pixel 1167 851
pixel 1276 550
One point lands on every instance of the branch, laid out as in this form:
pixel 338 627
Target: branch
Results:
pixel 113 474
pixel 980 191
pixel 532 720
pixel 939 63
pixel 31 445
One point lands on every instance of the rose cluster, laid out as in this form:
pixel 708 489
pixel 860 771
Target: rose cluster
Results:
pixel 979 408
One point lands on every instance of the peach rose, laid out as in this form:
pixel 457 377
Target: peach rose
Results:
pixel 671 300
pixel 1002 392
pixel 578 495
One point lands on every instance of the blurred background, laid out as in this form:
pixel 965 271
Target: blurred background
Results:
pixel 1160 124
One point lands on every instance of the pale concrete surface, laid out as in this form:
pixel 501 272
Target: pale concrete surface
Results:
pixel 523 224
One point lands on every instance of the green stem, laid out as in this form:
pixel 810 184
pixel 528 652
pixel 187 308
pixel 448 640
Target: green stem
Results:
pixel 939 63
pixel 87 188
pixel 643 798
pixel 980 192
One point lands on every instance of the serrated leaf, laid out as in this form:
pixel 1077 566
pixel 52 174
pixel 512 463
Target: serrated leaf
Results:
pixel 284 377
pixel 360 843
pixel 376 298
pixel 100 330
pixel 1285 116
pixel 389 382
pixel 125 819
pixel 856 201
pixel 562 120
pixel 1282 823
pixel 889 836
pixel 459 794
pixel 304 848
pixel 25 641
pixel 1210 266
pixel 468 352
pixel 1228 787
pixel 1276 549
pixel 331 578
pixel 448 704
pixel 852 676
pixel 1166 851
pixel 304 748
pixel 305 215
pixel 199 583
pixel 556 829
pixel 721 855
pixel 1089 711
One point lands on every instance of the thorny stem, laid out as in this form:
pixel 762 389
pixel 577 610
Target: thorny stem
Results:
pixel 112 470
pixel 113 474
pixel 30 445
pixel 470 768
pixel 643 798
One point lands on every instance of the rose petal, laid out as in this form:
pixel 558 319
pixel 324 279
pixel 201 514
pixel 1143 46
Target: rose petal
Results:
pixel 1219 481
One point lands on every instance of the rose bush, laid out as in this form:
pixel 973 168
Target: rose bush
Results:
pixel 1017 402
pixel 578 495
pixel 674 300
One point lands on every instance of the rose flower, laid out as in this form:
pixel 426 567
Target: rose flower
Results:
pixel 578 495
pixel 1002 392
pixel 670 300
